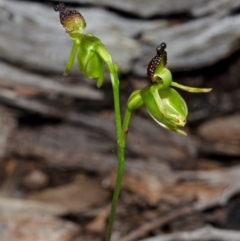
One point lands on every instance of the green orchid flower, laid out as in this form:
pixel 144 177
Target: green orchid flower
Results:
pixel 165 106
pixel 163 103
pixel 92 55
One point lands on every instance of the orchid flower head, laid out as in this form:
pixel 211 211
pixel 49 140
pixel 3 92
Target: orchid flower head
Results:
pixel 92 56
pixel 163 103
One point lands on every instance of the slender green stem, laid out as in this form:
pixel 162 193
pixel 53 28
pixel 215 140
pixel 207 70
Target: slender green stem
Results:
pixel 115 86
pixel 121 141
pixel 118 122
pixel 116 192
pixel 121 152
pixel 126 121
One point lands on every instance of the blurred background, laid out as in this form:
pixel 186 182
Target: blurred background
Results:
pixel 57 136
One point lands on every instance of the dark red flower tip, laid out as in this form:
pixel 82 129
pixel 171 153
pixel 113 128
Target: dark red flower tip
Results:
pixel 70 19
pixel 161 53
pixel 59 7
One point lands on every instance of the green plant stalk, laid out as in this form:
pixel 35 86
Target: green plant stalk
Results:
pixel 121 132
pixel 116 192
pixel 126 121
pixel 120 151
pixel 113 69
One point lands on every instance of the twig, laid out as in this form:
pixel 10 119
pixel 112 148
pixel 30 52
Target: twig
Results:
pixel 206 233
pixel 157 223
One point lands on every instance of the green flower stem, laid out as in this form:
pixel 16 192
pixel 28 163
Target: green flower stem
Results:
pixel 117 189
pixel 121 142
pixel 126 121
pixel 115 86
pixel 113 69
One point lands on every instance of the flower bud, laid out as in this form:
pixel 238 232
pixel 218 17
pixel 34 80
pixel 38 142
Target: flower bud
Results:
pixel 135 100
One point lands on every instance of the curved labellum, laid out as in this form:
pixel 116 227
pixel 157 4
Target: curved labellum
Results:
pixel 154 63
